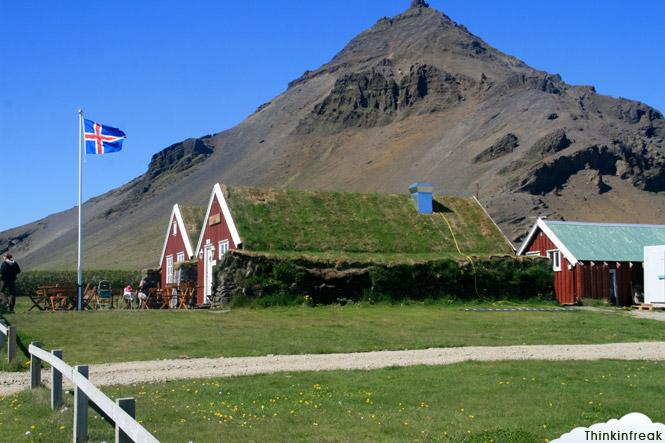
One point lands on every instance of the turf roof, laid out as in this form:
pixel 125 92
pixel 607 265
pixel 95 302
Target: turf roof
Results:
pixel 192 217
pixel 321 221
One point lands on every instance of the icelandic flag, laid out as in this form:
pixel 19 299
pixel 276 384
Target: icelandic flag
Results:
pixel 101 139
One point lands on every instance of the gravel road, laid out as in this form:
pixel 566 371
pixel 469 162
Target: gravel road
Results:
pixel 165 370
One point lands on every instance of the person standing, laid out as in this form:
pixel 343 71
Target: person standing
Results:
pixel 9 270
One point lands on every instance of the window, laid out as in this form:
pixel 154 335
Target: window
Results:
pixel 533 254
pixel 179 259
pixel 169 269
pixel 223 248
pixel 175 228
pixel 555 256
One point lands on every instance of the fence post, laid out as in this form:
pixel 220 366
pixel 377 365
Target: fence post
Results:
pixel 129 406
pixel 80 409
pixel 11 344
pixel 35 368
pixel 56 382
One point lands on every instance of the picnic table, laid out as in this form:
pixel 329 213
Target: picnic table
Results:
pixel 53 298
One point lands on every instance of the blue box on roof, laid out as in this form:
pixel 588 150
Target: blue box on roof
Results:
pixel 421 193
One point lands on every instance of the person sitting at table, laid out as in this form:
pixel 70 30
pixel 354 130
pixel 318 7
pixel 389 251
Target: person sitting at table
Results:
pixel 142 293
pixel 128 295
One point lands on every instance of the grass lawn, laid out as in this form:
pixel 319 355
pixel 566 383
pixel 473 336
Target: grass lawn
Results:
pixel 469 402
pixel 108 336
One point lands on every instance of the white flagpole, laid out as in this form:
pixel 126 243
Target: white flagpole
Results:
pixel 79 270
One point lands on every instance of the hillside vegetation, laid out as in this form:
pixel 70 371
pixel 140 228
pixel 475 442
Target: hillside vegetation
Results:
pixel 318 221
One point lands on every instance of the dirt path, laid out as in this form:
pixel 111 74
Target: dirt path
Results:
pixel 165 370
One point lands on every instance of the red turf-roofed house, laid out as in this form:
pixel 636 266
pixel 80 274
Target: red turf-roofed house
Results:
pixel 183 227
pixel 218 235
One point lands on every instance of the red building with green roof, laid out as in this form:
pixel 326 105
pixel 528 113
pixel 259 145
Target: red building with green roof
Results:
pixel 594 260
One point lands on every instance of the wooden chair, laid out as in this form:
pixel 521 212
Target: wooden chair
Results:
pixel 186 295
pixel 170 296
pixel 39 299
pixel 89 297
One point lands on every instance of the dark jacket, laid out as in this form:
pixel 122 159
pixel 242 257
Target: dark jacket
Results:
pixel 9 270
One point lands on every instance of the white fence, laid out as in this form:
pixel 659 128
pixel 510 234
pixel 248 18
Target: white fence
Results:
pixel 122 412
pixel 8 335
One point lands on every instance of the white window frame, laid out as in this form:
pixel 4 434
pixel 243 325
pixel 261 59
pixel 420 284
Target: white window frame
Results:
pixel 533 254
pixel 222 248
pixel 180 258
pixel 555 256
pixel 169 269
pixel 175 228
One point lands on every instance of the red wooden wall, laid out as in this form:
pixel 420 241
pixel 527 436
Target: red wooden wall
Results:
pixel 174 245
pixel 564 280
pixel 214 233
pixel 596 280
pixel 589 279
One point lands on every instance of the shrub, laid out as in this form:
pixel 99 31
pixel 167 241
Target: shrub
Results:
pixel 276 280
pixel 28 282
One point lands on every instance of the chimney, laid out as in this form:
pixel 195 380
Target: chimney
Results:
pixel 422 196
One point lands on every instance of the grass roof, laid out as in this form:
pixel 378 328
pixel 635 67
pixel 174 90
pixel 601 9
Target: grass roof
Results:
pixel 193 217
pixel 351 223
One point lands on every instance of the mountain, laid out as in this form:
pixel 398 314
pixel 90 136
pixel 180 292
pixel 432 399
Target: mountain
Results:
pixel 416 97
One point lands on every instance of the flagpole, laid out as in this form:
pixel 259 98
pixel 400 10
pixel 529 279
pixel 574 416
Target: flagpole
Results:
pixel 79 270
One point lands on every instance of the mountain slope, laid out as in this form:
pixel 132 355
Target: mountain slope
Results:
pixel 416 97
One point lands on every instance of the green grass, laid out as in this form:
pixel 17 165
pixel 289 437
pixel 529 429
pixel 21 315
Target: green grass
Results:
pixel 339 222
pixel 108 336
pixel 509 402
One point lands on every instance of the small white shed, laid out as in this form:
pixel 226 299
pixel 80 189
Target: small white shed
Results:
pixel 654 274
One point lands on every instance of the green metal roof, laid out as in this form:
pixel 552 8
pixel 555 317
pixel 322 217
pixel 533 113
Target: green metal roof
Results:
pixel 607 242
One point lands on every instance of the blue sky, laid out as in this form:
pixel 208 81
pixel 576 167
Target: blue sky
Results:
pixel 168 70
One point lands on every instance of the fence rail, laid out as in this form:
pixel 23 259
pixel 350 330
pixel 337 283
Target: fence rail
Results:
pixel 120 412
pixel 8 334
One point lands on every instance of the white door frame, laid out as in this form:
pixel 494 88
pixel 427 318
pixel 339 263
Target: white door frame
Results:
pixel 208 262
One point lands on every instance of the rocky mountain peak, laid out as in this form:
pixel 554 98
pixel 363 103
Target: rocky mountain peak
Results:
pixel 419 4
